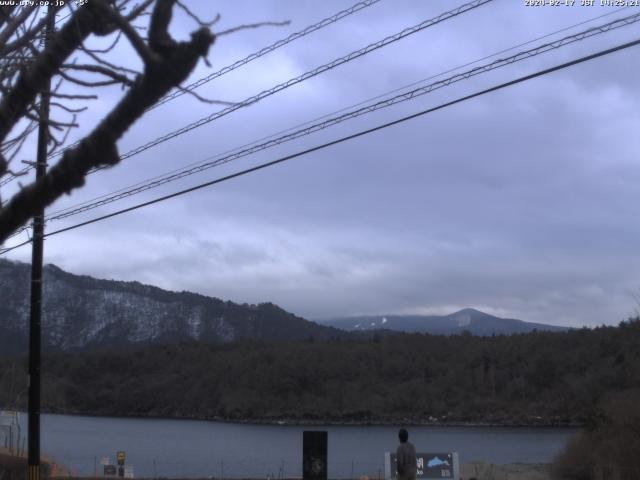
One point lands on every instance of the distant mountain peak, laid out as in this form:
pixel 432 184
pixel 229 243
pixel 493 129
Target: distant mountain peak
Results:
pixel 467 319
pixel 469 311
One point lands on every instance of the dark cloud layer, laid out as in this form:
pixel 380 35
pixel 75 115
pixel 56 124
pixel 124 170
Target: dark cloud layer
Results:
pixel 521 202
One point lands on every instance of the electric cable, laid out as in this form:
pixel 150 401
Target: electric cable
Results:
pixel 309 122
pixel 300 78
pixel 441 106
pixel 338 111
pixel 219 160
pixel 263 51
pixel 237 64
pixel 200 166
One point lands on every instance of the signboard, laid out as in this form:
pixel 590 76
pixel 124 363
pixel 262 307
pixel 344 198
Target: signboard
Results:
pixel 430 466
pixel 109 470
pixel 120 458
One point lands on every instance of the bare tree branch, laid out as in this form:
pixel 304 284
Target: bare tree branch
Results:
pixel 32 79
pixel 203 99
pixel 159 39
pixel 30 34
pixel 200 22
pixel 107 49
pixel 67 108
pixel 5 12
pixel 86 83
pixel 74 96
pixel 50 122
pixel 251 25
pixel 23 138
pixel 98 149
pixel 139 10
pixel 102 61
pixel 12 141
pixel 55 143
pixel 13 25
pixel 136 41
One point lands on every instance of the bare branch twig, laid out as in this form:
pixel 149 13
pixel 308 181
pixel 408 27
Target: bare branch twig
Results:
pixel 98 149
pixel 86 83
pixel 68 109
pixel 14 105
pixel 74 96
pixel 102 61
pixel 203 99
pixel 115 76
pixel 139 10
pixel 198 20
pixel 147 54
pixel 30 34
pixel 13 25
pixel 252 25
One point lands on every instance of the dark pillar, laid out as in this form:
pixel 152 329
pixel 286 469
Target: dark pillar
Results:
pixel 314 455
pixel 34 381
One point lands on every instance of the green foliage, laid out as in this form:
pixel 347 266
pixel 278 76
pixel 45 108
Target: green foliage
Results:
pixel 551 378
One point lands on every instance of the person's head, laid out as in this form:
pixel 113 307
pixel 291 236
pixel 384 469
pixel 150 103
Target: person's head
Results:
pixel 403 435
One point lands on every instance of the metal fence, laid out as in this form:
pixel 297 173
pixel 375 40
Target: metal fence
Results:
pixel 218 469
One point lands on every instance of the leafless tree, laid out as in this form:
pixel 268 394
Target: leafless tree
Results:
pixel 27 62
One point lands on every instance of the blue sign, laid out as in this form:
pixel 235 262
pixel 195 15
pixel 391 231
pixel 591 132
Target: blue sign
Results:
pixel 430 466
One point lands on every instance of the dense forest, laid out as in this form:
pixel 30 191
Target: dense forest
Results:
pixel 546 378
pixel 609 445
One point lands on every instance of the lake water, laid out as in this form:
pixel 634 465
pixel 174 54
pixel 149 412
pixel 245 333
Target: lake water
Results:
pixel 186 448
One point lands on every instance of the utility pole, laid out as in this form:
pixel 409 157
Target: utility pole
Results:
pixel 34 379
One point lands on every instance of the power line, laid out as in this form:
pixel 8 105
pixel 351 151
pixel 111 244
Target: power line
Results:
pixel 500 86
pixel 254 147
pixel 263 51
pixel 309 122
pixel 237 64
pixel 417 92
pixel 199 166
pixel 301 78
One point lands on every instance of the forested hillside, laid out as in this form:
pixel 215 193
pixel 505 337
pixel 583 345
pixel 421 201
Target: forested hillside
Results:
pixel 534 378
pixel 81 313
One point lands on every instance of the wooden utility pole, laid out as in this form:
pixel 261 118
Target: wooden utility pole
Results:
pixel 35 335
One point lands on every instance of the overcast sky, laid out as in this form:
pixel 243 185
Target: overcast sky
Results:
pixel 522 203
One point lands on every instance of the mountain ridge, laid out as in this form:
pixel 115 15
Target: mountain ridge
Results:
pixel 82 312
pixel 468 319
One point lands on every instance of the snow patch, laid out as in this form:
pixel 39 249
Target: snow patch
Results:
pixel 464 320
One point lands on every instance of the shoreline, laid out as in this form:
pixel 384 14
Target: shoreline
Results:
pixel 293 422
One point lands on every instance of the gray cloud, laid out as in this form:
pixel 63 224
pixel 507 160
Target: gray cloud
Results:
pixel 521 202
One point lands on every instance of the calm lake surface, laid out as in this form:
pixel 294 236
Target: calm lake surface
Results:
pixel 189 448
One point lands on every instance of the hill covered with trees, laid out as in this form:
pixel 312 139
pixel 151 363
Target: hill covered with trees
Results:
pixel 83 313
pixel 546 378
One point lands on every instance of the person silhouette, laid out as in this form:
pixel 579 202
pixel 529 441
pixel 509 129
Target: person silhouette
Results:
pixel 406 459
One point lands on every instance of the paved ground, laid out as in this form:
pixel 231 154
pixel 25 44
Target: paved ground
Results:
pixel 472 470
pixel 514 471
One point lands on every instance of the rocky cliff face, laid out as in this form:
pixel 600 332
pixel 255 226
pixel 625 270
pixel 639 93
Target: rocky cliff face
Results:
pixel 81 312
